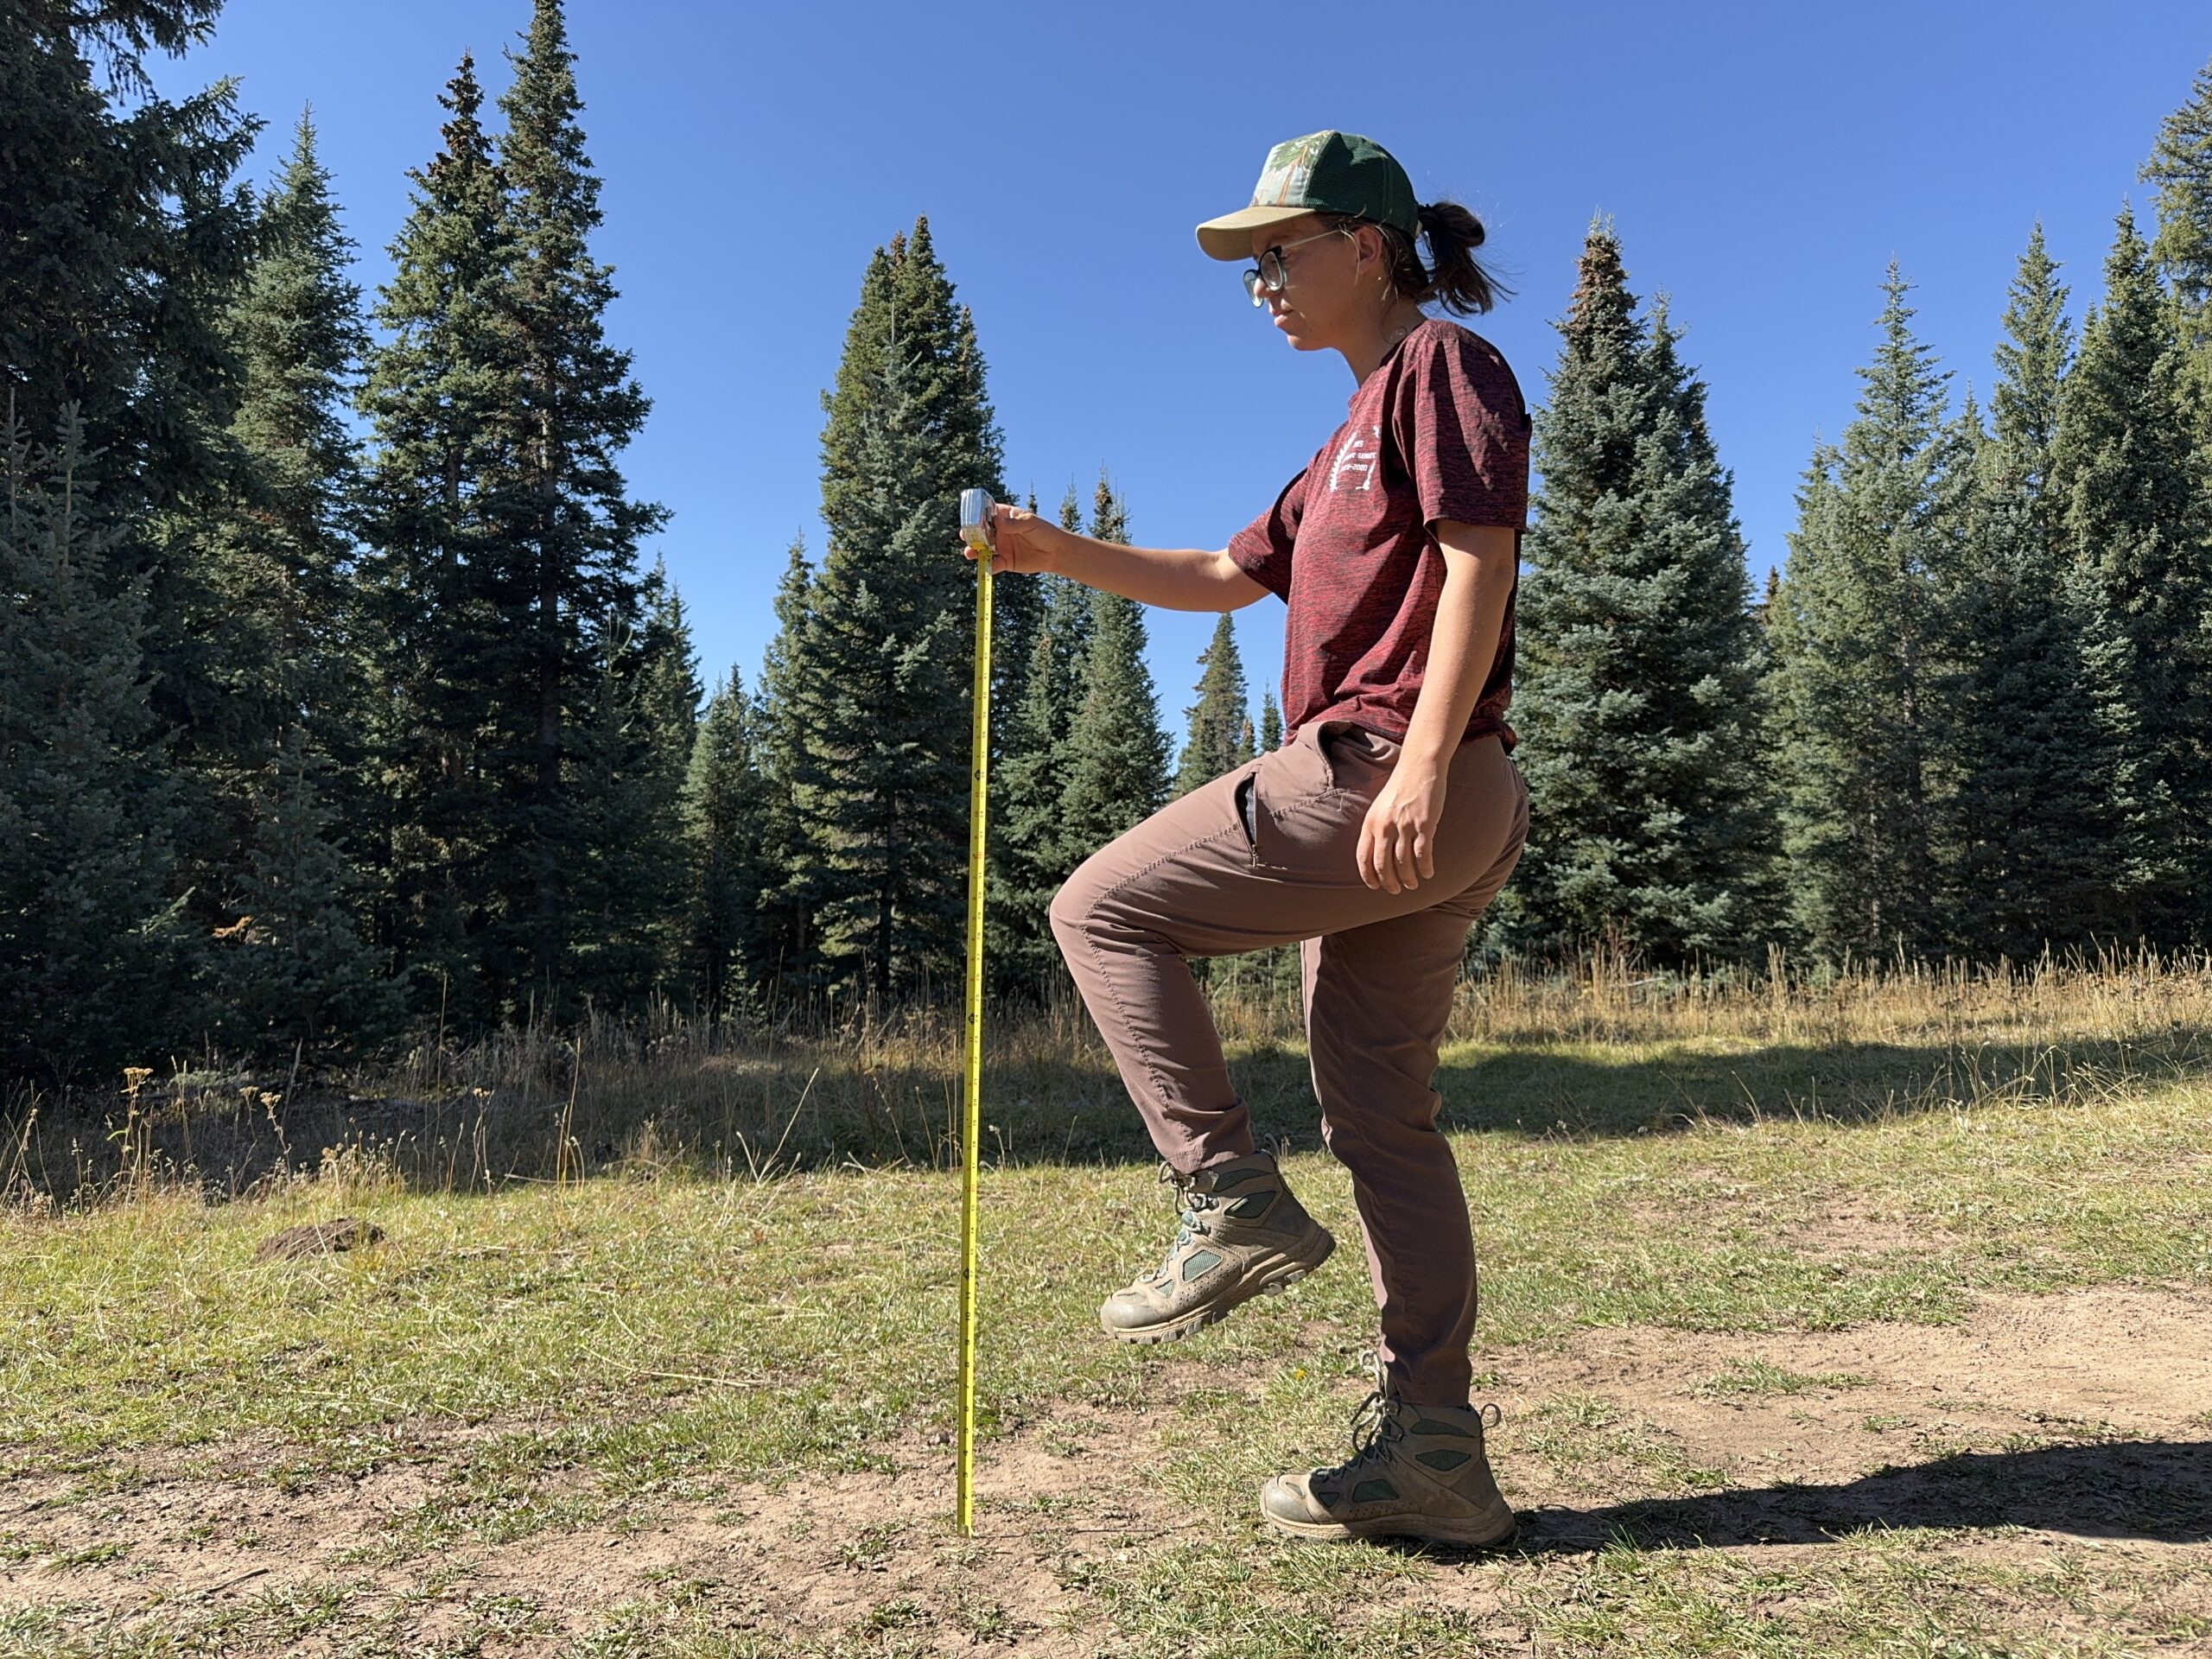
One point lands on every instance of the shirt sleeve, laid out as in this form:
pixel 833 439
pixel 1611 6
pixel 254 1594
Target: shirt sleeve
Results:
pixel 1262 549
pixel 1462 430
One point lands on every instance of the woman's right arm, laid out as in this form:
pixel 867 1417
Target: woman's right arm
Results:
pixel 1176 580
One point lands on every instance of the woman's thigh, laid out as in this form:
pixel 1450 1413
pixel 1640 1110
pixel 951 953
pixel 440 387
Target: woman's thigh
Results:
pixel 1266 854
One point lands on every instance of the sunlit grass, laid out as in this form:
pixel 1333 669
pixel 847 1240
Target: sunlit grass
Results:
pixel 674 1320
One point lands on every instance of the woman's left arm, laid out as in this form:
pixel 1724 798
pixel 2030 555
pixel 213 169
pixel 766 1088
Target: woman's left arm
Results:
pixel 1397 842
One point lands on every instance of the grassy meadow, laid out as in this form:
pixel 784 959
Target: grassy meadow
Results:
pixel 1856 1314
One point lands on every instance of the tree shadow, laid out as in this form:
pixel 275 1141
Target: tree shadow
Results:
pixel 1043 1110
pixel 2154 1490
pixel 1545 1091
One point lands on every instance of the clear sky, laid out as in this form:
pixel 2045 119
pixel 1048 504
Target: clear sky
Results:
pixel 1762 163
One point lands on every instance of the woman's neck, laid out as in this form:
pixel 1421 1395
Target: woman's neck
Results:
pixel 1376 340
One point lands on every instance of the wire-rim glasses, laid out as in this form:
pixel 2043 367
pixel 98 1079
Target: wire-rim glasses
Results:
pixel 1269 274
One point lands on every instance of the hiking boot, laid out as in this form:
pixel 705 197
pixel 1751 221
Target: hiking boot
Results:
pixel 1415 1472
pixel 1242 1233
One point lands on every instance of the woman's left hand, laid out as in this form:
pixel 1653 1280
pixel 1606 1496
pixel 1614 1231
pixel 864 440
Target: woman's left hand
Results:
pixel 1397 841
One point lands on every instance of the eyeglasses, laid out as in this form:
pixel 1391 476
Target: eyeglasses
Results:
pixel 1269 274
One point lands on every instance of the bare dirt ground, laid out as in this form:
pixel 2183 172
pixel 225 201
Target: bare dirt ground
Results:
pixel 2036 1424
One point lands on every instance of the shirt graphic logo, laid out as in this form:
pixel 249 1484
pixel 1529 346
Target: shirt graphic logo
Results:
pixel 1357 456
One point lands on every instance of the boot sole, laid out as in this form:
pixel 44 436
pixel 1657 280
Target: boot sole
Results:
pixel 1480 1532
pixel 1276 1277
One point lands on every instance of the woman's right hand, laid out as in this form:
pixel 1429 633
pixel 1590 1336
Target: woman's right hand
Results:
pixel 1019 537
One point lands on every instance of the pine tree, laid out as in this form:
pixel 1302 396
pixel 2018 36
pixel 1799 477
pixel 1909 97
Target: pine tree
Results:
pixel 293 973
pixel 508 602
pixel 2027 841
pixel 565 564
pixel 1270 723
pixel 1032 855
pixel 1639 696
pixel 2181 166
pixel 1857 631
pixel 93 960
pixel 724 814
pixel 1220 730
pixel 629 902
pixel 874 690
pixel 2132 497
pixel 790 863
pixel 1117 774
pixel 878 694
pixel 282 556
pixel 439 390
pixel 127 240
pixel 906 296
pixel 277 550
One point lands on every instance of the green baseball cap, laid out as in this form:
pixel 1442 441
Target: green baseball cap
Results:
pixel 1323 172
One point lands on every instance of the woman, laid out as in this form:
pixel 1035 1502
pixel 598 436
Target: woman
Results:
pixel 1374 836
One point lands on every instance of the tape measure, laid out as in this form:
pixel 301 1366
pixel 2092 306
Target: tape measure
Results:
pixel 974 529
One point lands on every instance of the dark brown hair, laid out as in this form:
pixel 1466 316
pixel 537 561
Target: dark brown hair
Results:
pixel 1458 281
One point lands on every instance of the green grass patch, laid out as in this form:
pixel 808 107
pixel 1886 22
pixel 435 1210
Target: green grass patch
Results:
pixel 1761 1377
pixel 555 1357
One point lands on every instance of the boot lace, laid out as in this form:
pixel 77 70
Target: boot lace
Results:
pixel 1190 1224
pixel 1377 1425
pixel 1374 1425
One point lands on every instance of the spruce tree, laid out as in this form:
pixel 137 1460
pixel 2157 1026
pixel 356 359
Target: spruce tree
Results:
pixel 1859 627
pixel 292 973
pixel 277 550
pixel 724 812
pixel 2132 499
pixel 565 558
pixel 93 959
pixel 878 694
pixel 1270 723
pixel 126 241
pixel 873 693
pixel 2030 823
pixel 906 296
pixel 439 390
pixel 127 238
pixel 1032 854
pixel 629 902
pixel 514 638
pixel 1639 698
pixel 1220 729
pixel 2181 166
pixel 281 558
pixel 1117 770
pixel 789 862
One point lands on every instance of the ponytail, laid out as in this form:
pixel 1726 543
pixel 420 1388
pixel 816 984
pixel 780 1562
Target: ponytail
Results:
pixel 1457 280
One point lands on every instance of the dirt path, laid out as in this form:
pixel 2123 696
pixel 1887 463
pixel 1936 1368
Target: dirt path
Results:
pixel 2037 1423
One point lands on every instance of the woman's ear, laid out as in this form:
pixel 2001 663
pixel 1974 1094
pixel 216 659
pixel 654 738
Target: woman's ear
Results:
pixel 1372 240
pixel 1366 244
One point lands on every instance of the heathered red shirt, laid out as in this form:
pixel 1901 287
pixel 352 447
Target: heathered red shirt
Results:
pixel 1438 430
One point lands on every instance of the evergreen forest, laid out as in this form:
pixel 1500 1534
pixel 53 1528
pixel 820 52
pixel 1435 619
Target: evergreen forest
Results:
pixel 340 703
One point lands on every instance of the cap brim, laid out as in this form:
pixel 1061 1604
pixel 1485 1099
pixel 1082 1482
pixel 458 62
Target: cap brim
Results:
pixel 1229 237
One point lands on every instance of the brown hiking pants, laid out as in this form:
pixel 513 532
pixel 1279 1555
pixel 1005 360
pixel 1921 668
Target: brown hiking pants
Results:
pixel 1265 855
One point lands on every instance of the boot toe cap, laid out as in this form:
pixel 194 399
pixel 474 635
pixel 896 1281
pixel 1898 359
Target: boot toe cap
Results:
pixel 1126 1311
pixel 1285 1497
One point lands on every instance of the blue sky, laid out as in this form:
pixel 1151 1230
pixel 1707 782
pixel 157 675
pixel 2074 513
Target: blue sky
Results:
pixel 1762 163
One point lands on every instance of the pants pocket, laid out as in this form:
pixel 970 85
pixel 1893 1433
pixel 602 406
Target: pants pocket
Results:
pixel 1248 812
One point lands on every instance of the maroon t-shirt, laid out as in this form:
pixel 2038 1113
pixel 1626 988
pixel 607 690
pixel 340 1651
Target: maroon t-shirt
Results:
pixel 1438 430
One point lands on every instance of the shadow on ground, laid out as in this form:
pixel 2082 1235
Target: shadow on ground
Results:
pixel 2154 1490
pixel 1044 1111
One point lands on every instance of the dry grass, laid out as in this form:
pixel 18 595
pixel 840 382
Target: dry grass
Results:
pixel 735 1098
pixel 1855 1314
